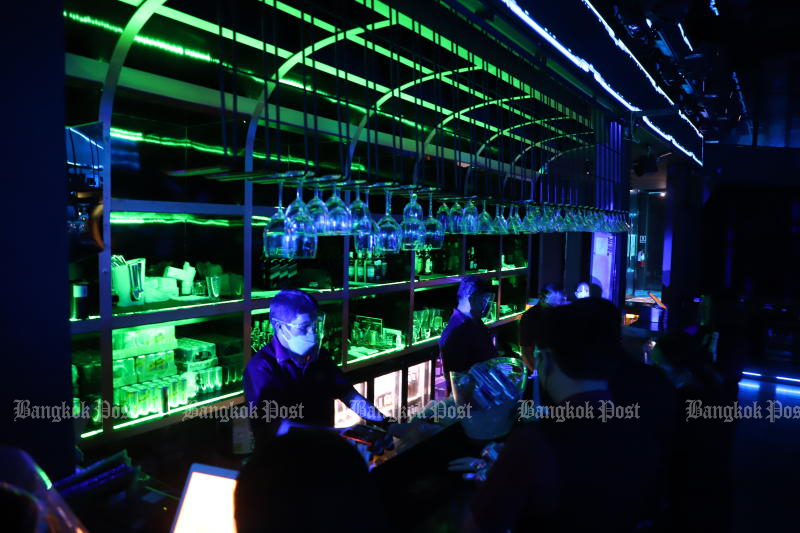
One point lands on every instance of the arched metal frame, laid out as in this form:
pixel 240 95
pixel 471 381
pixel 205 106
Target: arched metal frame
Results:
pixel 135 24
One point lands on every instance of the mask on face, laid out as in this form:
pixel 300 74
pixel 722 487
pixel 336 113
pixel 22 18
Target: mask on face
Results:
pixel 300 344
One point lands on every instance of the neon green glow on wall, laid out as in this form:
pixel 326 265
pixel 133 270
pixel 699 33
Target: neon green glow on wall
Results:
pixel 412 25
pixel 130 218
pixel 144 419
pixel 136 136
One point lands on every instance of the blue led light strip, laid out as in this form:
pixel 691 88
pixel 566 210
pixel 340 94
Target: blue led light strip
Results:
pixel 685 38
pixel 587 67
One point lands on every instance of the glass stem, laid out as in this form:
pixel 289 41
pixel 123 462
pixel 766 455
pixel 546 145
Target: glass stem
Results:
pixel 280 195
pixel 430 205
pixel 388 203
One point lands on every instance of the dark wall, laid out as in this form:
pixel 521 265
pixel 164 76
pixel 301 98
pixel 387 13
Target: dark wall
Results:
pixel 752 221
pixel 35 353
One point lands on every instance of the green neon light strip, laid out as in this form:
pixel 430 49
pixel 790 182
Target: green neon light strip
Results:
pixel 177 410
pixel 429 339
pixel 179 50
pixel 406 22
pixel 135 136
pixel 91 433
pixel 133 218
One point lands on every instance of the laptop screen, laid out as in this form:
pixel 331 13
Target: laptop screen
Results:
pixel 207 501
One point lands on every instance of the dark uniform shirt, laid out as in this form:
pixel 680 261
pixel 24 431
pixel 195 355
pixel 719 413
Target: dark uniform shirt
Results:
pixel 464 342
pixel 284 381
pixel 576 475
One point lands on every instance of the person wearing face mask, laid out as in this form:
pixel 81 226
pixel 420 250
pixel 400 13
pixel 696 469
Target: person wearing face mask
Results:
pixel 293 370
pixel 575 473
pixel 466 340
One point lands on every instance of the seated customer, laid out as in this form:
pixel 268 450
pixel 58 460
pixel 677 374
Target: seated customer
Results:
pixel 550 296
pixel 466 340
pixel 292 371
pixel 308 480
pixel 580 474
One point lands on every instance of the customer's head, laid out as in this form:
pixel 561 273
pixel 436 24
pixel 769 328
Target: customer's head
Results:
pixel 475 296
pixel 296 321
pixel 579 342
pixel 306 480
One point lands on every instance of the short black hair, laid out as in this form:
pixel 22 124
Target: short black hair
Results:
pixel 472 285
pixel 584 337
pixel 287 304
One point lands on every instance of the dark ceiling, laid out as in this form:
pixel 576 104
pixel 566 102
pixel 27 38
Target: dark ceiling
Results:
pixel 756 40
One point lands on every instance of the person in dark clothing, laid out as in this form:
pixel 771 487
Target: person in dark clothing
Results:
pixel 292 376
pixel 466 340
pixel 579 474
pixel 697 466
pixel 550 296
pixel 308 480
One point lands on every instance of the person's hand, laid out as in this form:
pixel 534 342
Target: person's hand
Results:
pixel 472 467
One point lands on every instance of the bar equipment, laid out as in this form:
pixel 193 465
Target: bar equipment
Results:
pixel 127 280
pixel 318 212
pixel 492 389
pixel 455 217
pixel 500 223
pixel 300 237
pixel 275 230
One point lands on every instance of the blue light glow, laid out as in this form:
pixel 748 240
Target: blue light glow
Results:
pixel 685 39
pixel 712 5
pixel 788 391
pixel 587 67
pixel 788 379
pixel 749 385
pixel 649 23
pixel 752 374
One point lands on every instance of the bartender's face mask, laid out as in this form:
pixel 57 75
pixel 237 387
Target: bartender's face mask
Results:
pixel 303 333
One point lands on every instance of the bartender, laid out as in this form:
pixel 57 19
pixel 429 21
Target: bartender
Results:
pixel 466 340
pixel 292 377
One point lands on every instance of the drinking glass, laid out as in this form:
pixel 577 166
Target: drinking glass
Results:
pixel 412 227
pixel 514 221
pixel 300 237
pixel 340 220
pixel 456 215
pixel 469 221
pixel 500 223
pixel 434 230
pixel 443 216
pixel 389 232
pixel 485 224
pixel 275 229
pixel 318 212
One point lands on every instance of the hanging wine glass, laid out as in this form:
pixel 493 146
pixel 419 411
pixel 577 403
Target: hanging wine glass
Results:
pixel 515 224
pixel 443 216
pixel 275 229
pixel 456 215
pixel 358 209
pixel 434 230
pixel 500 223
pixel 300 237
pixel 412 227
pixel 340 219
pixel 389 232
pixel 469 221
pixel 485 224
pixel 528 223
pixel 365 231
pixel 318 212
